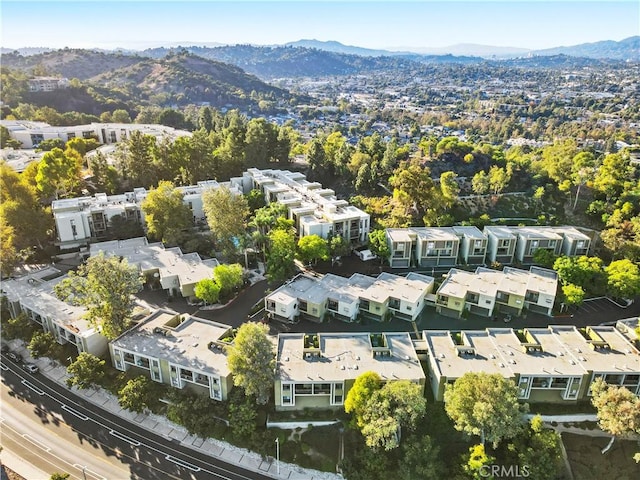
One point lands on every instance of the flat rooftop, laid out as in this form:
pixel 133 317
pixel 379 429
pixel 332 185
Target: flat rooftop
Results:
pixel 345 356
pixel 185 344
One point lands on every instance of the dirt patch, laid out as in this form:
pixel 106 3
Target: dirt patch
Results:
pixel 588 463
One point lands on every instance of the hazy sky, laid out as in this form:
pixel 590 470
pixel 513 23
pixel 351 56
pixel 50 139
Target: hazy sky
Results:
pixel 373 24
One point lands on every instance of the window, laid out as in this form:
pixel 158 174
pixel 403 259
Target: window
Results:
pixel 304 388
pixel 287 397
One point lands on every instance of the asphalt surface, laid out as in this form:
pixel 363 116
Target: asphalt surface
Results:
pixel 149 456
pixel 593 312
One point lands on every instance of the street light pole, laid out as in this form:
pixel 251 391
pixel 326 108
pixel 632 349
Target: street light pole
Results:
pixel 84 474
pixel 278 455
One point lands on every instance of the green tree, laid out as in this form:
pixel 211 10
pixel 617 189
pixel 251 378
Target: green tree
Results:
pixel 242 418
pixel 49 144
pixel 486 405
pixel 58 174
pixel 544 257
pixel 252 361
pixel 226 215
pixel 480 183
pixel 42 344
pixel 18 327
pixel 623 279
pixel 228 277
pixel 59 476
pixel 617 407
pixel 585 272
pixel 208 290
pixel 450 188
pixel 86 371
pixel 135 160
pixel 498 179
pixel 139 395
pixel 476 466
pixel 165 213
pixel 420 459
pixel 539 449
pixel 338 246
pixel 312 248
pixel 363 388
pixel 611 176
pixel 378 244
pixel 281 254
pixel 398 404
pixel 572 294
pixel 106 287
pixel 120 116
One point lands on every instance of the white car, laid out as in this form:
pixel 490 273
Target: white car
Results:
pixel 365 255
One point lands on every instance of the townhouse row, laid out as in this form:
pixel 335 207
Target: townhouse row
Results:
pixel 451 246
pixel 552 364
pixel 484 292
pixel 556 364
pixel 314 210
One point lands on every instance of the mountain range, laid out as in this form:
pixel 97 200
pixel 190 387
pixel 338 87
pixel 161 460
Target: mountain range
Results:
pixel 626 49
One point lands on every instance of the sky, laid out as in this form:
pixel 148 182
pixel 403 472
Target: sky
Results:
pixel 393 25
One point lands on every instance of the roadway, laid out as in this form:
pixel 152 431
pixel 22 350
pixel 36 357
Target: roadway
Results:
pixel 54 430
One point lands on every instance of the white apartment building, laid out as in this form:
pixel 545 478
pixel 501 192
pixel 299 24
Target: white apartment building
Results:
pixel 166 268
pixel 47 84
pixel 179 350
pixel 314 210
pixel 331 296
pixel 33 294
pixel 30 134
pixel 84 219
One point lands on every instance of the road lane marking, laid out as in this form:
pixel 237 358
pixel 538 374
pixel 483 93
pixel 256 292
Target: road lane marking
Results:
pixel 3 366
pixel 31 386
pixel 121 436
pixel 37 443
pixel 177 461
pixel 74 412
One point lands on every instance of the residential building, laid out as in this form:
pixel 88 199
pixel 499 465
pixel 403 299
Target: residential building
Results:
pixel 168 268
pixel 33 295
pixel 436 247
pixel 473 245
pixel 317 371
pixel 30 134
pixel 553 364
pixel 485 291
pixel 84 219
pixel 574 242
pixel 47 84
pixel 330 296
pixel 401 243
pixel 532 239
pixel 314 210
pixel 179 350
pixel 501 244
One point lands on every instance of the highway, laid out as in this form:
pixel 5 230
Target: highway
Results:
pixel 56 431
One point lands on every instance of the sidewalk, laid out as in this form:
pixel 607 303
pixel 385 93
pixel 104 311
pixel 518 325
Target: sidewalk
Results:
pixel 162 426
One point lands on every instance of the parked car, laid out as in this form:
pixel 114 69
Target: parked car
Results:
pixel 31 368
pixel 14 356
pixel 5 348
pixel 365 255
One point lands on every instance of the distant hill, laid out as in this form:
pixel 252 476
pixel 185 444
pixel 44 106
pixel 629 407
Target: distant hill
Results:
pixel 72 63
pixel 179 78
pixel 289 61
pixel 627 49
pixel 555 61
pixel 183 78
pixel 337 47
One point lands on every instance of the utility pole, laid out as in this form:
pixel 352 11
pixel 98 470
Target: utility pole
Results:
pixel 278 455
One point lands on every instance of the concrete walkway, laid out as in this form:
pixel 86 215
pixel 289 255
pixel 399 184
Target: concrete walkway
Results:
pixel 162 426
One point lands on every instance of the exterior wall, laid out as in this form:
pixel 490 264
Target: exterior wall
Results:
pixel 469 251
pixel 450 306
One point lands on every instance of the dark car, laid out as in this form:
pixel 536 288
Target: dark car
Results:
pixel 14 356
pixel 5 348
